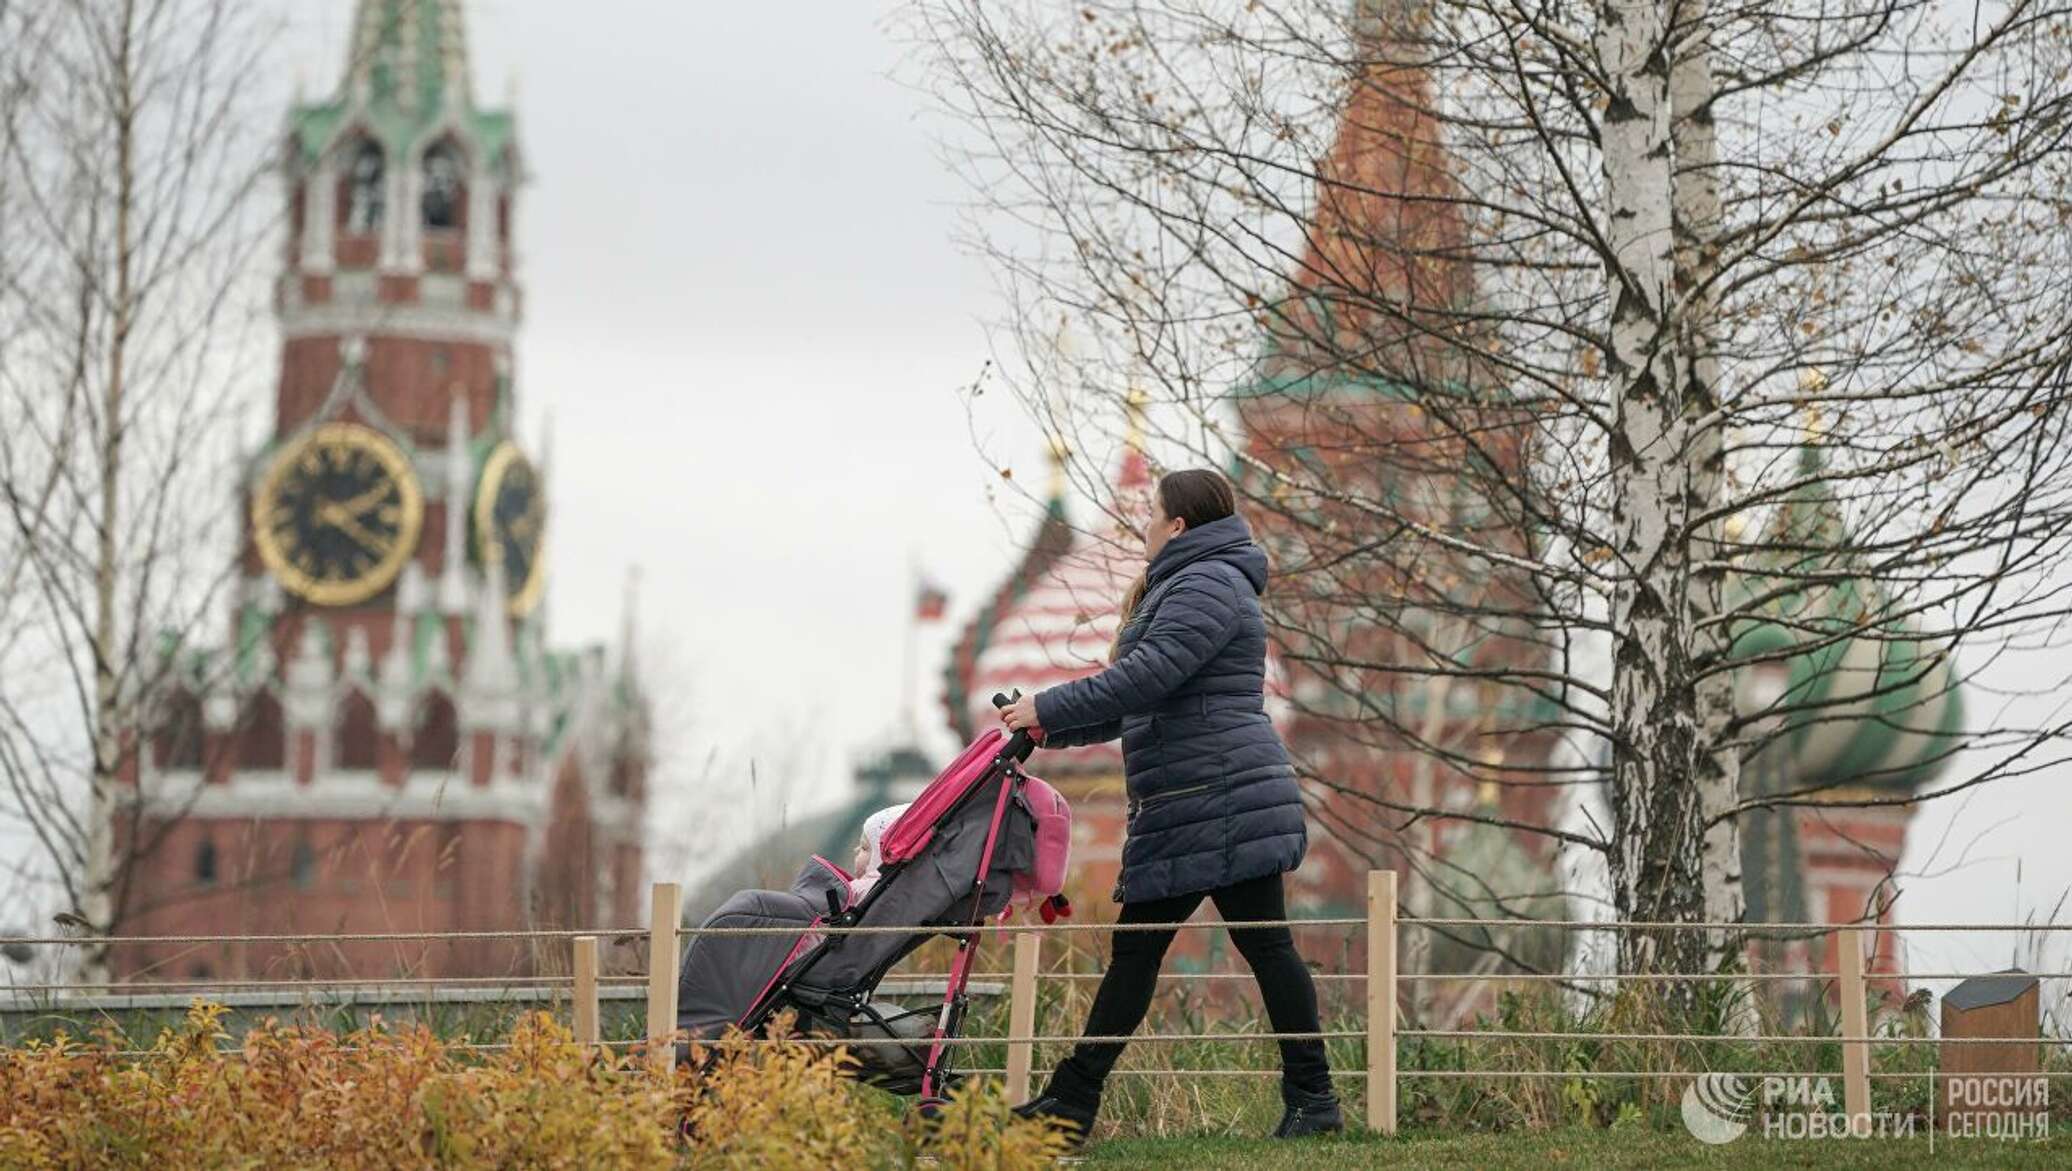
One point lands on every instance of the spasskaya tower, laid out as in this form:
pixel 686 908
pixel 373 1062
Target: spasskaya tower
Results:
pixel 386 742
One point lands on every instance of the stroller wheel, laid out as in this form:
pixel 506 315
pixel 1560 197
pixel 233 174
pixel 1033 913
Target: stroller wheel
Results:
pixel 931 1108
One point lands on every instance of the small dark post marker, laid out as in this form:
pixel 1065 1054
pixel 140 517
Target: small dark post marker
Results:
pixel 1974 1076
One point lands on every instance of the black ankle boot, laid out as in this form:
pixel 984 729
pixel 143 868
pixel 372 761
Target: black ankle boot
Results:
pixel 1306 1113
pixel 1073 1119
pixel 1067 1100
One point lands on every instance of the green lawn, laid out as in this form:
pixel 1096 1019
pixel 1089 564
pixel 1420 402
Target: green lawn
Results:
pixel 1590 1149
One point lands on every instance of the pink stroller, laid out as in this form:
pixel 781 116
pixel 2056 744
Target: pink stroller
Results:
pixel 983 834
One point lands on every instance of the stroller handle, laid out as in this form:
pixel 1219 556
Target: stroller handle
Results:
pixel 1021 743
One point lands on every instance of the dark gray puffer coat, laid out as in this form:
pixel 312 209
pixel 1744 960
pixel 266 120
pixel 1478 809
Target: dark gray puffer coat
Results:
pixel 1213 799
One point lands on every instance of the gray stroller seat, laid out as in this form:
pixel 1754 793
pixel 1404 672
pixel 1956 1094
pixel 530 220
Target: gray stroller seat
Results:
pixel 829 980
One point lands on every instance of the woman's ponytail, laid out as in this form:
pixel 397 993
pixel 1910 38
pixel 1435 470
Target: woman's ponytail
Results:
pixel 1131 597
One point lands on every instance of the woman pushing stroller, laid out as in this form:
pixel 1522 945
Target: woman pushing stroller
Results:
pixel 1214 811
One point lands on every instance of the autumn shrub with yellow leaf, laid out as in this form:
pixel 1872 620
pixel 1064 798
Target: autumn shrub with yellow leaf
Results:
pixel 385 1097
pixel 785 1103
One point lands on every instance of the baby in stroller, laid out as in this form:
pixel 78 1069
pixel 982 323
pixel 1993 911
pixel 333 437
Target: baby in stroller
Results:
pixel 982 835
pixel 870 857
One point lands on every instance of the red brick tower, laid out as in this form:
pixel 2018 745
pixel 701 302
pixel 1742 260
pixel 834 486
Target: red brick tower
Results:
pixel 1366 388
pixel 387 744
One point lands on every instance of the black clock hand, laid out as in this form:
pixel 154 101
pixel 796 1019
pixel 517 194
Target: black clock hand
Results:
pixel 345 522
pixel 365 500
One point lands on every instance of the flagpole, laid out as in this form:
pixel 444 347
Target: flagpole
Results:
pixel 913 632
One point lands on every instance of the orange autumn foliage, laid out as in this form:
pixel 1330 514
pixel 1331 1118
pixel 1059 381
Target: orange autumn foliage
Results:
pixel 400 1097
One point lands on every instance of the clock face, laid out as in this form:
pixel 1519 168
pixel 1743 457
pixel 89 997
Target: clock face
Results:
pixel 511 523
pixel 338 514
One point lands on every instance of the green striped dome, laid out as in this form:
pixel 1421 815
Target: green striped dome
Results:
pixel 1866 703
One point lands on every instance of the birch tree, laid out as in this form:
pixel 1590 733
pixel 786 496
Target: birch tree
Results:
pixel 1598 307
pixel 131 177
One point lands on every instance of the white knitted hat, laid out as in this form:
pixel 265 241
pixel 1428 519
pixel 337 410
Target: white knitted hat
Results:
pixel 874 828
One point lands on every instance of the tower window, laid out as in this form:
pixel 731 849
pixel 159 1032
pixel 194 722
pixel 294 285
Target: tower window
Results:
pixel 442 187
pixel 302 865
pixel 262 737
pixel 365 196
pixel 359 733
pixel 437 739
pixel 177 740
pixel 205 862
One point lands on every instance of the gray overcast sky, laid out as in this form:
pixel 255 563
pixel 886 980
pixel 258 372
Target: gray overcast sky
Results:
pixel 748 319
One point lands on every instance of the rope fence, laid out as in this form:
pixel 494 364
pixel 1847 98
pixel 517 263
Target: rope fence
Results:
pixel 349 937
pixel 664 935
pixel 1541 977
pixel 1748 1038
pixel 319 983
pixel 632 934
pixel 1073 1039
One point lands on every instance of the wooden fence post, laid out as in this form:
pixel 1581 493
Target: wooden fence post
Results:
pixel 1856 1055
pixel 586 991
pixel 665 916
pixel 1021 1014
pixel 1381 1001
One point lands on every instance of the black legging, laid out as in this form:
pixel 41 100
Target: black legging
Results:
pixel 1126 989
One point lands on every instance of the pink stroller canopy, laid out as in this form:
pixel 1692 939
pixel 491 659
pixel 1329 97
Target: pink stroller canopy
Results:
pixel 1053 816
pixel 911 833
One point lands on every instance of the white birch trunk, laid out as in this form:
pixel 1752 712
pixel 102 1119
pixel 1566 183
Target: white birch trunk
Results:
pixel 1657 825
pixel 1698 216
pixel 99 887
pixel 1716 767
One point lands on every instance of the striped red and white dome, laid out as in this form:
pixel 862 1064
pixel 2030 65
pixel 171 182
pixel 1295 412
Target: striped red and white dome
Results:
pixel 1058 630
pixel 1052 621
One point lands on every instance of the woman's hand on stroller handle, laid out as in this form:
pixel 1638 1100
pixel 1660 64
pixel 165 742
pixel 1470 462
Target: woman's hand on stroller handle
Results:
pixel 1019 713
